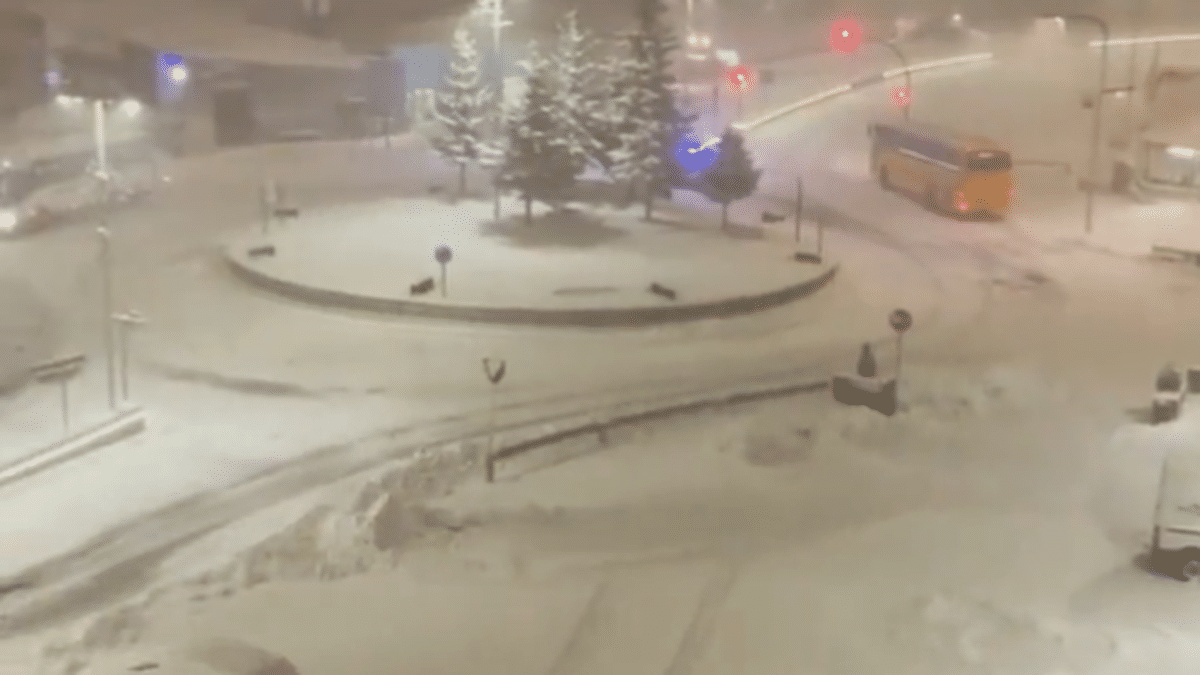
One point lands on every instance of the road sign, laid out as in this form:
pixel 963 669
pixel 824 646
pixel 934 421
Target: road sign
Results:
pixel 443 254
pixel 58 369
pixel 901 320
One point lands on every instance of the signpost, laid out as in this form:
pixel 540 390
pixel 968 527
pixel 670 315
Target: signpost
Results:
pixel 60 371
pixel 494 374
pixel 127 320
pixel 443 255
pixel 270 198
pixel 901 321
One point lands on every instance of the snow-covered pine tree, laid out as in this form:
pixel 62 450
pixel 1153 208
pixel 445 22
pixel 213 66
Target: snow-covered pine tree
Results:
pixel 604 113
pixel 575 83
pixel 732 176
pixel 655 125
pixel 462 107
pixel 540 160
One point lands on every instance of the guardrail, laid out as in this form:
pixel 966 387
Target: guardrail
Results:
pixel 121 426
pixel 1148 40
pixel 615 420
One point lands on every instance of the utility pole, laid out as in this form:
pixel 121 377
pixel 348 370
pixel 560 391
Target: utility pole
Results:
pixel 1097 112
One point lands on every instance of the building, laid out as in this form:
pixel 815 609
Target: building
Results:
pixel 1158 133
pixel 22 61
pixel 206 76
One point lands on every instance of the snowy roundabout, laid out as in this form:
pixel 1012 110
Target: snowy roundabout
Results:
pixel 596 267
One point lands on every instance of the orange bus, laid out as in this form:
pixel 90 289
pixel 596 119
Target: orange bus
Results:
pixel 951 172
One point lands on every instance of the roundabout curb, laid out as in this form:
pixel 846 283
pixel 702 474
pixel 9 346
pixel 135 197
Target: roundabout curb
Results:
pixel 605 317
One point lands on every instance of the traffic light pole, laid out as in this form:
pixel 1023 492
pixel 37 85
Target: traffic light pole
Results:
pixel 907 76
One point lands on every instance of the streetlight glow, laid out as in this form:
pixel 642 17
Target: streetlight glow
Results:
pixel 178 74
pixel 131 106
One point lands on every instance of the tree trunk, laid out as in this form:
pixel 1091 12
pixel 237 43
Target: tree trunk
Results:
pixel 462 180
pixel 724 216
pixel 649 197
pixel 528 209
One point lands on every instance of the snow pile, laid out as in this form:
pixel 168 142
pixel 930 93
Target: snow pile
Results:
pixel 330 541
pixel 71 650
pixel 939 403
pixel 340 540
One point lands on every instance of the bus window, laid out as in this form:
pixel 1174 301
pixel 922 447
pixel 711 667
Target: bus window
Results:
pixel 988 160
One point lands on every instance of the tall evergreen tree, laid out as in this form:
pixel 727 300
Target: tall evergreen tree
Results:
pixel 462 107
pixel 732 176
pixel 540 160
pixel 604 107
pixel 654 124
pixel 576 78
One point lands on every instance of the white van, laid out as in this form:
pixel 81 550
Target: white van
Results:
pixel 1175 543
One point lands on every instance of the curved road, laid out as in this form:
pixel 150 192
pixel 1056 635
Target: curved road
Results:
pixel 208 329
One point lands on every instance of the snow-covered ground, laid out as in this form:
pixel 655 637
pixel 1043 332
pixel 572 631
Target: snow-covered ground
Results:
pixel 981 531
pixel 990 502
pixel 589 257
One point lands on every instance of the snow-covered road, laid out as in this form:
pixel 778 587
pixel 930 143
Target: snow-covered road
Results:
pixel 207 332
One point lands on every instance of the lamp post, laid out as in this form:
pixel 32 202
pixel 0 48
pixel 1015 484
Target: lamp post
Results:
pixel 100 137
pixel 106 303
pixel 1097 110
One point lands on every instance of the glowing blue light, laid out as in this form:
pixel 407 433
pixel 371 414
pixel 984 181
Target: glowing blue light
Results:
pixel 693 156
pixel 172 76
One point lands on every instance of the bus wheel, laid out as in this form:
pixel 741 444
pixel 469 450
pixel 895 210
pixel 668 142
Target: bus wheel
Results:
pixel 884 181
pixel 931 201
pixel 1191 564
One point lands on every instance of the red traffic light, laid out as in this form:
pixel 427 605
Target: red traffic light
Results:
pixel 845 36
pixel 740 78
pixel 901 96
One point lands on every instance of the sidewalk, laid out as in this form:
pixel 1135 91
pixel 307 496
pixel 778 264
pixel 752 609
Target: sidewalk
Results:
pixel 1119 225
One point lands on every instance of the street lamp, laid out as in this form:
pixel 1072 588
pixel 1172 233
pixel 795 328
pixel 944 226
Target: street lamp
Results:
pixel 106 303
pixel 1097 108
pixel 126 320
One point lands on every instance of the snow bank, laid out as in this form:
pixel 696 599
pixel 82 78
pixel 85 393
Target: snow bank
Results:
pixel 940 402
pixel 330 541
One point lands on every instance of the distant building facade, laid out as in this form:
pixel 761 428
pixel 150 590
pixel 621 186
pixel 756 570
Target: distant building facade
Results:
pixel 23 79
